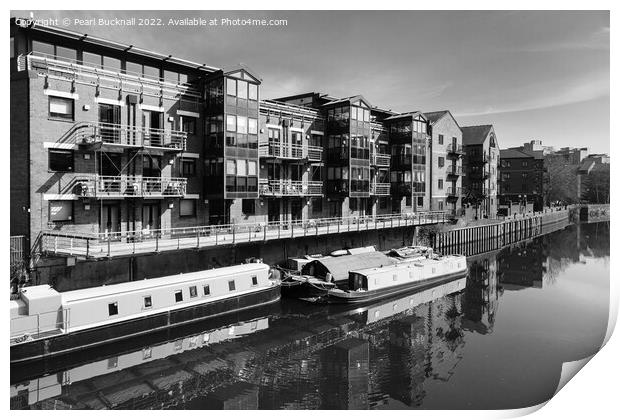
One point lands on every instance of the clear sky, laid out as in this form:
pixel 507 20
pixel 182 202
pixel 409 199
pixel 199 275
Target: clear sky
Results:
pixel 534 75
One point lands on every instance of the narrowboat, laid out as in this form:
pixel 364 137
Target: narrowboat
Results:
pixel 369 284
pixel 45 322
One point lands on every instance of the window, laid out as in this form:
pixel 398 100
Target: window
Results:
pixel 231 285
pixel 420 201
pixel 317 204
pixel 408 201
pixel 61 108
pixel 440 184
pixel 231 167
pixel 231 123
pixel 147 353
pixel 252 92
pixel 242 168
pixel 206 290
pixel 254 280
pixel 231 87
pixel 193 291
pixel 440 139
pixel 248 206
pixel 148 302
pixel 441 161
pixel 242 89
pixel 60 160
pixel 251 168
pixel 187 208
pixel 178 296
pixel 60 211
pixel 242 125
pixel 43 47
pixel 189 125
pixel 440 203
pixel 252 126
pixel 113 308
pixel 188 167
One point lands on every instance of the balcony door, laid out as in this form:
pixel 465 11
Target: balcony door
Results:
pixel 153 123
pixel 109 166
pixel 109 121
pixel 110 218
pixel 151 217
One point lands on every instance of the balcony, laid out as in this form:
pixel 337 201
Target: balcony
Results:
pixel 113 78
pixel 279 150
pixel 380 160
pixel 380 188
pixel 454 170
pixel 107 134
pixel 286 188
pixel 454 149
pixel 453 193
pixel 123 186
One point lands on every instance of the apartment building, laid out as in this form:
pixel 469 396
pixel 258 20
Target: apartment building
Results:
pixel 446 153
pixel 521 177
pixel 481 153
pixel 107 137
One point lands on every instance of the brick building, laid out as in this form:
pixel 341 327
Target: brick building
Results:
pixel 107 137
pixel 521 177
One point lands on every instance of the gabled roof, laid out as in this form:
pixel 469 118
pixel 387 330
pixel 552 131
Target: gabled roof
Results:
pixel 349 99
pixel 476 134
pixel 435 116
pixel 404 115
pixel 242 71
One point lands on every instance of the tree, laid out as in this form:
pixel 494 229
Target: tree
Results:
pixel 595 186
pixel 561 181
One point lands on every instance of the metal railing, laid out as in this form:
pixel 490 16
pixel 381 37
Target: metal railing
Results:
pixel 453 191
pixel 159 240
pixel 380 159
pixel 454 170
pixel 17 253
pixel 31 327
pixel 290 151
pixel 275 187
pixel 454 148
pixel 130 186
pixel 98 75
pixel 380 188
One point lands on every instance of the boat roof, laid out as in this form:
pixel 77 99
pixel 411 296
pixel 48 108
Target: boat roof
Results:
pixel 380 270
pixel 132 286
pixel 341 266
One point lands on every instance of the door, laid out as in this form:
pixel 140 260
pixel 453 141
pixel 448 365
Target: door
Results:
pixel 296 209
pixel 109 123
pixel 109 168
pixel 151 218
pixel 110 219
pixel 273 210
pixel 153 123
pixel 151 174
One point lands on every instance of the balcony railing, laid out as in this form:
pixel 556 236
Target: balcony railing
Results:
pixel 453 170
pixel 456 149
pixel 95 75
pixel 92 133
pixel 380 188
pixel 130 186
pixel 118 244
pixel 288 151
pixel 453 191
pixel 275 187
pixel 380 159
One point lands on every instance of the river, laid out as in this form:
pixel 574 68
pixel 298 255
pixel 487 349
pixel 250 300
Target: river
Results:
pixel 494 340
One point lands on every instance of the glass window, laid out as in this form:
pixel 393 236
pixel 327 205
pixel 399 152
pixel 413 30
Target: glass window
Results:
pixel 440 139
pixel 60 211
pixel 242 89
pixel 61 107
pixel 252 126
pixel 242 125
pixel 231 87
pixel 152 72
pixel 248 207
pixel 206 290
pixel 187 208
pixel 231 167
pixel 366 115
pixel 193 291
pixel 68 53
pixel 241 167
pixel 251 168
pixel 43 48
pixel 93 60
pixel 171 76
pixel 148 302
pixel 231 123
pixel 134 69
pixel 188 167
pixel 113 308
pixel 61 160
pixel 231 285
pixel 254 280
pixel 252 92
pixel 178 296
pixel 189 125
pixel 112 64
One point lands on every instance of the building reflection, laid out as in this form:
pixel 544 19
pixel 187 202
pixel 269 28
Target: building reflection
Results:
pixel 481 298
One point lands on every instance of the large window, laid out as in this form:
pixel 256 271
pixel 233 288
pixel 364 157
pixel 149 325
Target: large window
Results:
pixel 188 167
pixel 189 125
pixel 248 207
pixel 61 108
pixel 242 89
pixel 252 92
pixel 60 211
pixel 61 160
pixel 252 126
pixel 242 125
pixel 231 123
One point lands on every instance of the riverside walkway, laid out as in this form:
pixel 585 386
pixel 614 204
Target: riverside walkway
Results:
pixel 119 244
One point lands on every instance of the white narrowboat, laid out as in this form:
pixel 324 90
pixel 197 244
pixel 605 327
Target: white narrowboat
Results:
pixel 379 282
pixel 45 322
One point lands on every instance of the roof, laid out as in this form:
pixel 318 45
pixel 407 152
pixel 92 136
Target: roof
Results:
pixel 513 154
pixel 339 267
pixel 131 286
pixel 349 99
pixel 476 134
pixel 405 114
pixel 435 115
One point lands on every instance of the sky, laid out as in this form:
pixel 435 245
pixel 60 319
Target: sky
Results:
pixel 540 75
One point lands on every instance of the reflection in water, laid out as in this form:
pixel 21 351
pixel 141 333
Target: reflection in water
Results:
pixel 402 353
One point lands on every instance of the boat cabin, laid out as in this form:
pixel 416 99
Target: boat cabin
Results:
pixel 336 269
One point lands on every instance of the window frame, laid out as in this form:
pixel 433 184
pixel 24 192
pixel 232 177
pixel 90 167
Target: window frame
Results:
pixel 68 152
pixel 193 213
pixel 193 291
pixel 232 286
pixel 113 305
pixel 49 210
pixel 57 116
pixel 144 300
pixel 177 294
